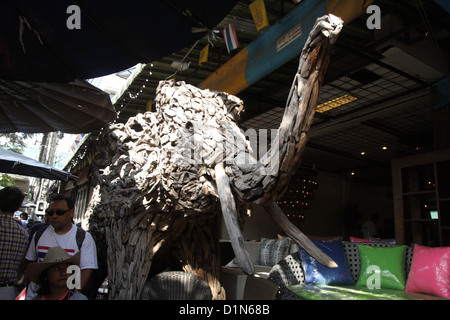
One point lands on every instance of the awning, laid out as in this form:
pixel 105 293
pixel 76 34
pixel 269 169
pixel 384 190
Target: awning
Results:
pixel 75 107
pixel 60 41
pixel 15 163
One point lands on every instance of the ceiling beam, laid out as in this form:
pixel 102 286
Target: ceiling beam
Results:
pixel 263 56
pixel 383 128
pixel 343 154
pixel 377 61
pixel 372 110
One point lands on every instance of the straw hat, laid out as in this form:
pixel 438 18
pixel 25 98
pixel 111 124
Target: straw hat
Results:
pixel 55 255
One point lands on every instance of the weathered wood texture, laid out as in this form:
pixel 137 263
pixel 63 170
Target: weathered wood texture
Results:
pixel 157 187
pixel 297 119
pixel 158 197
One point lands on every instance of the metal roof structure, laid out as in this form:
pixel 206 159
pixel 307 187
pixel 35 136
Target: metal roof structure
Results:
pixel 387 75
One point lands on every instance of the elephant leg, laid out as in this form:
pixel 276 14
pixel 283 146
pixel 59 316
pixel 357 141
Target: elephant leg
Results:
pixel 200 252
pixel 131 248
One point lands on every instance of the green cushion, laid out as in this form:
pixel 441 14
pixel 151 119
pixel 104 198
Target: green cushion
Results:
pixel 382 268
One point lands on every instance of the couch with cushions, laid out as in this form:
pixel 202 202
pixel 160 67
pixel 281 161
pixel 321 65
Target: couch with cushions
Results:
pixel 367 271
pixel 264 255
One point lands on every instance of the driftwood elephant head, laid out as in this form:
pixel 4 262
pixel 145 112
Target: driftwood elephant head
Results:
pixel 167 178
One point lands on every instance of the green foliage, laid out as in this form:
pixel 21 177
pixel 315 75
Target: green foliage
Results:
pixel 6 180
pixel 14 141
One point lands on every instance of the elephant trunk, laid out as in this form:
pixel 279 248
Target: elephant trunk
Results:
pixel 291 138
pixel 272 173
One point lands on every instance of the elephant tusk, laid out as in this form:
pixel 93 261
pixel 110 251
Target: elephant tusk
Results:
pixel 230 217
pixel 295 234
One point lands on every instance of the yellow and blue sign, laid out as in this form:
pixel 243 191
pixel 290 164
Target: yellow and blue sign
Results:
pixel 259 13
pixel 279 44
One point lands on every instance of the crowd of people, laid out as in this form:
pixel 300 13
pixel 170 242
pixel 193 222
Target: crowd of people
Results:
pixel 38 263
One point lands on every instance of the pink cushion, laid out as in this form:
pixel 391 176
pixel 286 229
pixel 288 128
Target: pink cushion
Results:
pixel 430 271
pixel 354 239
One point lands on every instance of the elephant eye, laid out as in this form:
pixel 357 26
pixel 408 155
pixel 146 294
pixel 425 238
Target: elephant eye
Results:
pixel 189 125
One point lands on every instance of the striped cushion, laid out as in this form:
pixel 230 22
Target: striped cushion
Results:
pixel 272 251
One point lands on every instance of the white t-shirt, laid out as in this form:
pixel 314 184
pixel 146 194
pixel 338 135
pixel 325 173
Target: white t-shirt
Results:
pixel 67 241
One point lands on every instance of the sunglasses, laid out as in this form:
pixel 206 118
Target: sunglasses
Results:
pixel 50 212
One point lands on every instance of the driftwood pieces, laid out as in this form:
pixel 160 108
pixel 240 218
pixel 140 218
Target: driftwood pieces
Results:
pixel 231 219
pixel 280 218
pixel 162 177
pixel 291 139
pixel 157 186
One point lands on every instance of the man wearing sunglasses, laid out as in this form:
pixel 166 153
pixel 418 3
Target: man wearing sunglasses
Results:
pixel 63 233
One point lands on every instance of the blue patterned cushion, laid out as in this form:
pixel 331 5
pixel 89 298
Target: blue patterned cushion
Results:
pixel 315 273
pixel 272 251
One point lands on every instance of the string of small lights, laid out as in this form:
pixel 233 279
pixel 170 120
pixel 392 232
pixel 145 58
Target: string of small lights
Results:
pixel 86 152
pixel 298 197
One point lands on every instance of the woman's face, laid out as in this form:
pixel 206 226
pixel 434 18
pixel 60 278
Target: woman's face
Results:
pixel 57 275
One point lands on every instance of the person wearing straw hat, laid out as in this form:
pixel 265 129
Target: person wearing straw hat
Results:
pixel 52 276
pixel 64 233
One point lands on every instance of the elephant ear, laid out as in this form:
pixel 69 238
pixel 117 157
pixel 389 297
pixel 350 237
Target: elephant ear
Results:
pixel 234 105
